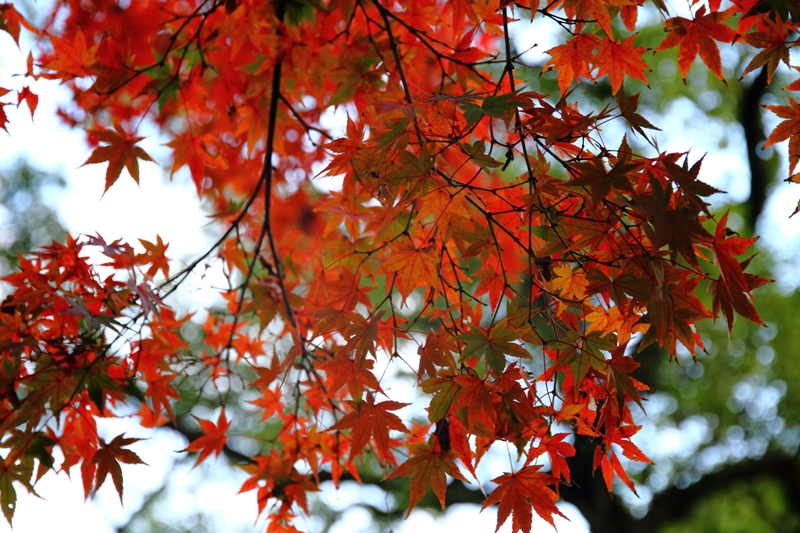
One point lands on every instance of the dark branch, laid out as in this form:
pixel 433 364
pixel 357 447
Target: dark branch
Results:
pixel 760 176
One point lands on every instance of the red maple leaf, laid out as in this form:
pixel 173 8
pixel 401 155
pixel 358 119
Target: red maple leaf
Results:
pixel 788 129
pixel 557 450
pixel 371 421
pixel 429 466
pixel 699 35
pixel 619 58
pixel 517 493
pixel 213 440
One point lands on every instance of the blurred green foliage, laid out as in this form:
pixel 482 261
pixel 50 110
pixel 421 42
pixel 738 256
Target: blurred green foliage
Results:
pixel 27 218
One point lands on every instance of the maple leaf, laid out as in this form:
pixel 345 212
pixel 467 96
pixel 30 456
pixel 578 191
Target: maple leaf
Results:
pixel 493 346
pixel 595 10
pixel 788 129
pixel 160 391
pixel 572 60
pixel 593 173
pixel 699 35
pixel 413 265
pixel 557 450
pixel 609 463
pixel 474 395
pixel 356 373
pixel 429 467
pixel 517 493
pixel 675 227
pixel 213 440
pixel 369 420
pixel 11 20
pixel 9 475
pixel 568 283
pixel 434 354
pixel 108 458
pixel 731 291
pixel 673 311
pixel 193 151
pixel 154 256
pixel 345 148
pixel 446 390
pixel 149 419
pixel 120 152
pixel 771 37
pixel 725 248
pixel 3 116
pixel 619 58
pixel 73 59
pixel 619 369
pixel 628 105
pixel 30 98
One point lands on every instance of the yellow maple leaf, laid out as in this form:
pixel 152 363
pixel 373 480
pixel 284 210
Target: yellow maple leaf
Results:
pixel 569 284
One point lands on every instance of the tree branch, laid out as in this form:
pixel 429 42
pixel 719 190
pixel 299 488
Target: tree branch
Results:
pixel 754 138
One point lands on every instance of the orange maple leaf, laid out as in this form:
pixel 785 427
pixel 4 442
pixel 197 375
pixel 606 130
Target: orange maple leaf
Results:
pixel 121 152
pixel 413 266
pixel 619 58
pixel 346 148
pixel 429 468
pixel 154 256
pixel 149 418
pixel 572 60
pixel 698 35
pixel 520 491
pixel 369 420
pixel 73 59
pixel 213 440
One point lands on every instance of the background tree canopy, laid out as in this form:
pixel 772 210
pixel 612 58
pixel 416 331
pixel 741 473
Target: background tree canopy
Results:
pixel 460 152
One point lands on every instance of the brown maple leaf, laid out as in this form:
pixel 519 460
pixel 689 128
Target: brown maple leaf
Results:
pixel 120 152
pixel 108 459
pixel 771 37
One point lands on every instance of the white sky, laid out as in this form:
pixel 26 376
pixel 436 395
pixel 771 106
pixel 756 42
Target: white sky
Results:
pixel 171 209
